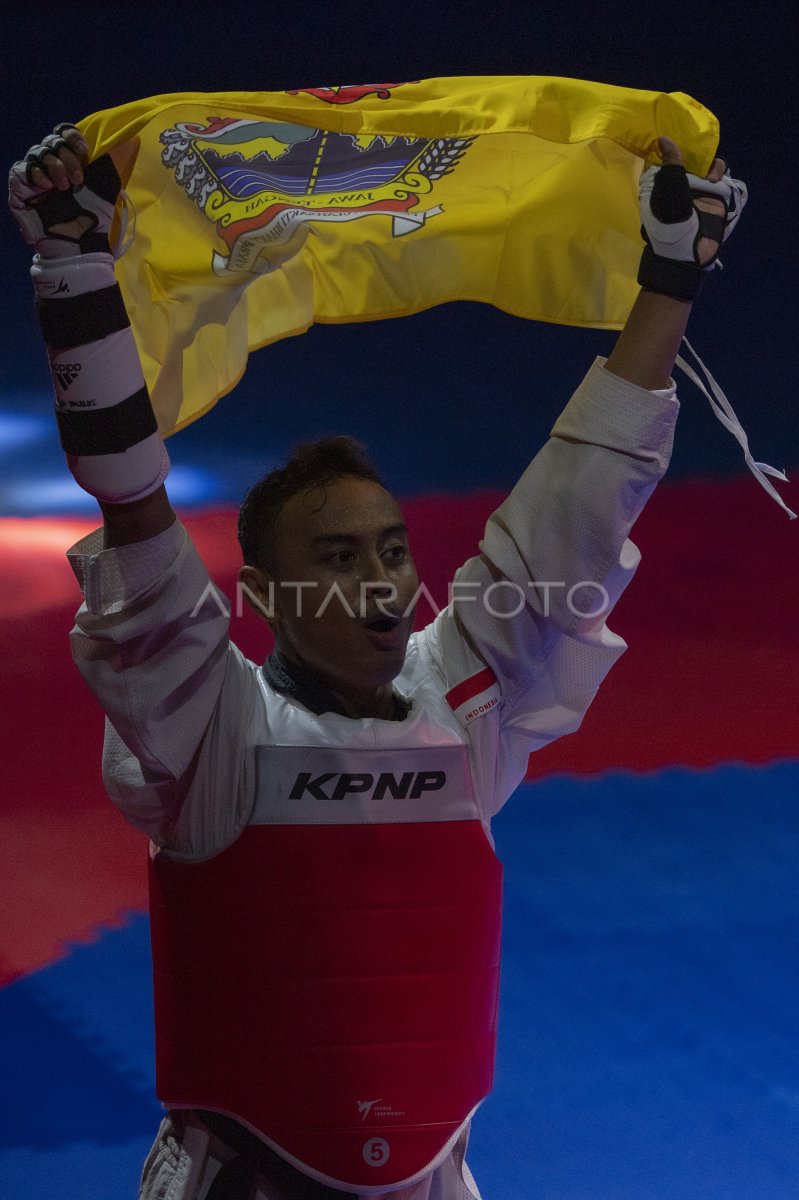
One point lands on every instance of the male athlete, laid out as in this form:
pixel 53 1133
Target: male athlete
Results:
pixel 325 898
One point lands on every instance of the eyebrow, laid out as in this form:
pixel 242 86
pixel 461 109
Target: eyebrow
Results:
pixel 323 538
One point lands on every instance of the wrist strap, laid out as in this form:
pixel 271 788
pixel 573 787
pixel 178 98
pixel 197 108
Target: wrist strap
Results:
pixel 682 280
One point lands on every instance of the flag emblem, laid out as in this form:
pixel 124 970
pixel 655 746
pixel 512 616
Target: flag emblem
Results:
pixel 264 182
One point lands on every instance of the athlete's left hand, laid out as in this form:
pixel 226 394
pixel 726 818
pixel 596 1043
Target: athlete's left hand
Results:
pixel 685 220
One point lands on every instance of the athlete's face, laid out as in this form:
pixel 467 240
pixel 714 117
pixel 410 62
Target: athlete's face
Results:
pixel 342 549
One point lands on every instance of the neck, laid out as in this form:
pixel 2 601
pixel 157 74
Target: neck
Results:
pixel 356 702
pixel 380 703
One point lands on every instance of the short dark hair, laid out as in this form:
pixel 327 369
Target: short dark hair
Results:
pixel 310 465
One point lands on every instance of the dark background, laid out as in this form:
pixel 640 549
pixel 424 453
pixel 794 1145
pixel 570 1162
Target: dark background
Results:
pixel 508 376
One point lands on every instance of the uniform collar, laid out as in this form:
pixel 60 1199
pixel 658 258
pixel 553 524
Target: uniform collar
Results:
pixel 290 679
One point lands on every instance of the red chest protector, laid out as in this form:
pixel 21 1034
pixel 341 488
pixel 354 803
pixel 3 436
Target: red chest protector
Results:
pixel 331 979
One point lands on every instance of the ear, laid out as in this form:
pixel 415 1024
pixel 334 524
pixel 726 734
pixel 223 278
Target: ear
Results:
pixel 260 592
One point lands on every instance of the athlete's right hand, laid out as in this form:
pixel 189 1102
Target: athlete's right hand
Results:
pixel 63 204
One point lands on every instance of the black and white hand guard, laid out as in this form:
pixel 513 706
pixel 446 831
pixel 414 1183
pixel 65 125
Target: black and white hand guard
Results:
pixel 105 419
pixel 672 227
pixel 38 213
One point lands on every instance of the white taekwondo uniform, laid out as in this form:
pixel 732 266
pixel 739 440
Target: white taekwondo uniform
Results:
pixel 202 752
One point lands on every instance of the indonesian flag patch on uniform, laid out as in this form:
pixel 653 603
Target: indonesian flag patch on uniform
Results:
pixel 475 696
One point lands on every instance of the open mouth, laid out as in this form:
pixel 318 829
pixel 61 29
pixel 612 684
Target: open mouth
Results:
pixel 386 633
pixel 383 624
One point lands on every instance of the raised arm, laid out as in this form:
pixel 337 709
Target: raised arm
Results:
pixel 556 555
pixel 64 207
pixel 154 654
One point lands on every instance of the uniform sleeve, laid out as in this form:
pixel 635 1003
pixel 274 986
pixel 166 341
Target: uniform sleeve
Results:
pixel 530 610
pixel 151 642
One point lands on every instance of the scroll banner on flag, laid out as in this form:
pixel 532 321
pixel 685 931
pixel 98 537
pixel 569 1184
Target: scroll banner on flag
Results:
pixel 258 213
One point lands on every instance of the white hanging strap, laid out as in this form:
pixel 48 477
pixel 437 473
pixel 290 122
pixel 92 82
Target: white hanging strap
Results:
pixel 127 226
pixel 725 413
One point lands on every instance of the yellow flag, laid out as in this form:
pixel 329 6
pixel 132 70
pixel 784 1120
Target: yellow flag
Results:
pixel 258 213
